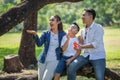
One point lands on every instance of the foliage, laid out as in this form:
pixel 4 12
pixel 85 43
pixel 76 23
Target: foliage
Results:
pixel 108 12
pixel 7 4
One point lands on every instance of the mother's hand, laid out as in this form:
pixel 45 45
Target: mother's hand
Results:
pixel 31 32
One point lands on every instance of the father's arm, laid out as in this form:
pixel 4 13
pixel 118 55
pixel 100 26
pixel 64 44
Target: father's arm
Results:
pixel 97 39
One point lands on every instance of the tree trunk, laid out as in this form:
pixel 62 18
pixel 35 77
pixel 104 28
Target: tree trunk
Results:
pixel 27 45
pixel 12 64
pixel 19 12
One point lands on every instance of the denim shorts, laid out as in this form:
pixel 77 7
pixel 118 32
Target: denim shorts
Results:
pixel 62 65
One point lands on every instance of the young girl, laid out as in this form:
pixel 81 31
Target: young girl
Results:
pixel 68 44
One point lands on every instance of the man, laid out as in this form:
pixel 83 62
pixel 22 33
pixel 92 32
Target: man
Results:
pixel 93 47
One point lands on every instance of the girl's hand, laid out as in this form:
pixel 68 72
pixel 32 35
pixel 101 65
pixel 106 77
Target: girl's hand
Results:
pixel 79 47
pixel 31 32
pixel 68 35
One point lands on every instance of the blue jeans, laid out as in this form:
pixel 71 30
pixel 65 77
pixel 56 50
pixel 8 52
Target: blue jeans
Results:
pixel 62 64
pixel 98 65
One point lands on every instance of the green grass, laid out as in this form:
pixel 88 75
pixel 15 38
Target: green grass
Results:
pixel 112 46
pixel 9 44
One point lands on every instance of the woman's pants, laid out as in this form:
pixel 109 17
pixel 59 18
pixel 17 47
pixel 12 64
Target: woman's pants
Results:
pixel 46 70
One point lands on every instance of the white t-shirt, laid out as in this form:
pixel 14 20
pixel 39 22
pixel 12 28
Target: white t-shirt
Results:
pixel 70 51
pixel 51 55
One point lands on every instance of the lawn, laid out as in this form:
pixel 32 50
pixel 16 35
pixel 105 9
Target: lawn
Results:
pixel 9 44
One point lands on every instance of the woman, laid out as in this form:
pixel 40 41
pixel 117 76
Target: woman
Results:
pixel 50 55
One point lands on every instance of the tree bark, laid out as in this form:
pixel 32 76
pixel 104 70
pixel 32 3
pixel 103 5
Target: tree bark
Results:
pixel 21 11
pixel 27 45
pixel 12 64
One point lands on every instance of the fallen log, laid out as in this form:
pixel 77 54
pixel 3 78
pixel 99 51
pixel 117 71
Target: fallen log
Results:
pixel 88 71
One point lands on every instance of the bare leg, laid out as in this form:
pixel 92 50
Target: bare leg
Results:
pixel 57 76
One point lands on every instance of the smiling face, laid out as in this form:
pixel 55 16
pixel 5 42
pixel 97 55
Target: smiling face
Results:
pixel 86 17
pixel 53 22
pixel 73 29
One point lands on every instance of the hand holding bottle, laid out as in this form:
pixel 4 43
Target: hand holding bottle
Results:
pixel 75 44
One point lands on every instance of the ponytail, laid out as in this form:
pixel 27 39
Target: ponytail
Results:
pixel 60 25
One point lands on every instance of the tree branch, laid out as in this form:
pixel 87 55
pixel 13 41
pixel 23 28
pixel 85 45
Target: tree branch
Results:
pixel 19 12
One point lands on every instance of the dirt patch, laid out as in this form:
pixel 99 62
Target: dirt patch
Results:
pixel 23 75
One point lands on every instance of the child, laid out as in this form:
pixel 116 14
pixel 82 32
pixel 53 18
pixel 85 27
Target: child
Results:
pixel 68 45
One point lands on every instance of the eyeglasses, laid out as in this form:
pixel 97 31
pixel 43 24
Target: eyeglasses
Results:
pixel 73 27
pixel 52 20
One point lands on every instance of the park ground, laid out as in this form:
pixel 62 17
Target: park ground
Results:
pixel 9 44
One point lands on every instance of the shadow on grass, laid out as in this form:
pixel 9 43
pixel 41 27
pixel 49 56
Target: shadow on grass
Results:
pixel 7 51
pixel 114 59
pixel 115 63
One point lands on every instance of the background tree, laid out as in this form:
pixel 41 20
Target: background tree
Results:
pixel 19 12
pixel 70 12
pixel 106 10
pixel 27 11
pixel 27 45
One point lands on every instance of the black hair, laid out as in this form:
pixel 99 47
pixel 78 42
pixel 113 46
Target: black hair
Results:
pixel 60 25
pixel 91 12
pixel 76 25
